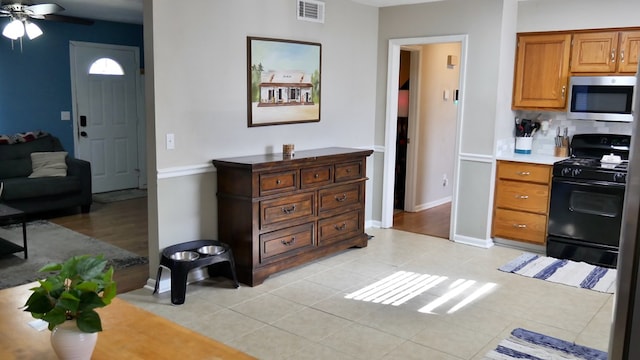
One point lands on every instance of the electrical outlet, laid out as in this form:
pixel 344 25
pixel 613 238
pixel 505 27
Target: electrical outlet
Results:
pixel 171 141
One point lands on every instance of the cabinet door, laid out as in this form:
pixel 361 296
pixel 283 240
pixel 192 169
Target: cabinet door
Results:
pixel 594 52
pixel 541 74
pixel 628 55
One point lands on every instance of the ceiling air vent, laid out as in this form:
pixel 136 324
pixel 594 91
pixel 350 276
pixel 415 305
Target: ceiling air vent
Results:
pixel 310 10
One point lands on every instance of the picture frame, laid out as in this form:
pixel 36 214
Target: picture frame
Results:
pixel 283 81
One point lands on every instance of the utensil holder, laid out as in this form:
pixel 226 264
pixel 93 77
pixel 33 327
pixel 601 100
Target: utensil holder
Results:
pixel 523 145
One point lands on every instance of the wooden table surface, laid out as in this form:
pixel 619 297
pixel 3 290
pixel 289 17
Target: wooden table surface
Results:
pixel 128 333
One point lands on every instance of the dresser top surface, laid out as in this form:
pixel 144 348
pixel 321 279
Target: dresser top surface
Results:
pixel 298 156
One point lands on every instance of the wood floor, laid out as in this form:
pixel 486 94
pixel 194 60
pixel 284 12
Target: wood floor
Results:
pixel 434 221
pixel 122 224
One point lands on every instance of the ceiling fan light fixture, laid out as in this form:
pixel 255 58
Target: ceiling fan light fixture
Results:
pixel 14 30
pixel 33 30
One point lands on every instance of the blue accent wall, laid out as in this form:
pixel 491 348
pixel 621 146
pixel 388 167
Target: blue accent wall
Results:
pixel 35 83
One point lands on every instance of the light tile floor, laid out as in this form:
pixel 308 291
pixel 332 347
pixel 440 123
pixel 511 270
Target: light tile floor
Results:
pixel 303 313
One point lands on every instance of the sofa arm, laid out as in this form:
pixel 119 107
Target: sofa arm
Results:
pixel 81 169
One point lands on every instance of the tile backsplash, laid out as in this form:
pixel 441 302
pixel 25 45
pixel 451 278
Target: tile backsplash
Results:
pixel 543 144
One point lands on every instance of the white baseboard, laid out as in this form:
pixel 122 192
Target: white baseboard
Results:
pixel 433 204
pixel 467 240
pixel 195 275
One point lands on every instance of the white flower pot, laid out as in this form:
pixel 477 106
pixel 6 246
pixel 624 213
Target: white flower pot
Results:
pixel 69 343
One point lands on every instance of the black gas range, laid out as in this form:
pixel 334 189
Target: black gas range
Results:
pixel 587 196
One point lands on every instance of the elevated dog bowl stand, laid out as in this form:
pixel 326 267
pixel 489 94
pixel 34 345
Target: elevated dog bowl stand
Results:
pixel 180 267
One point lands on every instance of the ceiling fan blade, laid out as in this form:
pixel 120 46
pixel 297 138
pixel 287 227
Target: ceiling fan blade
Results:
pixel 42 9
pixel 69 19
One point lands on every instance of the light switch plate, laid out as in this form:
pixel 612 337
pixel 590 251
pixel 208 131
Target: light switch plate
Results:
pixel 65 115
pixel 171 141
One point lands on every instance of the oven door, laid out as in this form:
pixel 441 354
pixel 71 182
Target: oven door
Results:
pixel 586 211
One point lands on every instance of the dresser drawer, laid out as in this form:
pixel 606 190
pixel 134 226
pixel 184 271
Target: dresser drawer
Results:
pixel 341 196
pixel 348 171
pixel 524 172
pixel 271 183
pixel 286 208
pixel 286 242
pixel 516 225
pixel 339 227
pixel 316 176
pixel 523 196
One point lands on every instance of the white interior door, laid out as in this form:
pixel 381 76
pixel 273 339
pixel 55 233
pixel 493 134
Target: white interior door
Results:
pixel 106 114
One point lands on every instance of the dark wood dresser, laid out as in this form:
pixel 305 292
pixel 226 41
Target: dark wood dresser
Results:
pixel 277 212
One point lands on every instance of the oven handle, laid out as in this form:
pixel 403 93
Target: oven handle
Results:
pixel 589 183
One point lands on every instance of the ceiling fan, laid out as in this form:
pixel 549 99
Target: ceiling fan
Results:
pixel 23 11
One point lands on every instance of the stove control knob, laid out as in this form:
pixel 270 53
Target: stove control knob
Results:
pixel 620 177
pixel 576 172
pixel 566 171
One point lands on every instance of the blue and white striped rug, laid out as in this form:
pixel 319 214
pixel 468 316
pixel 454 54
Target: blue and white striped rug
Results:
pixel 578 274
pixel 525 344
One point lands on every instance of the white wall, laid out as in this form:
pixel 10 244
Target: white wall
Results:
pixel 436 124
pixel 197 85
pixel 550 15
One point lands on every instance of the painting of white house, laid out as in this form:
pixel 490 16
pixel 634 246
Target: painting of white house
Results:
pixel 283 81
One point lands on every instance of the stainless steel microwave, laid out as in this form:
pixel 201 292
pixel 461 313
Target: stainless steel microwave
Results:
pixel 604 98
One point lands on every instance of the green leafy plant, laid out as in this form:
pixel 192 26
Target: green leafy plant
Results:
pixel 75 289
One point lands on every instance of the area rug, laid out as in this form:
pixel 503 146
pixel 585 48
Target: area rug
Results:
pixel 572 273
pixel 120 195
pixel 525 344
pixel 48 242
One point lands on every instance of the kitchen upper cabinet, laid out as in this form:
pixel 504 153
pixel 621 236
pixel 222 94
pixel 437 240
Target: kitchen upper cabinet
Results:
pixel 609 52
pixel 542 71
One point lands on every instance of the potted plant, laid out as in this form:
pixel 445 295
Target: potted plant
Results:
pixel 67 300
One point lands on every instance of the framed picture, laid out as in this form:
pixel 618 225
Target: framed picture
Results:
pixel 283 81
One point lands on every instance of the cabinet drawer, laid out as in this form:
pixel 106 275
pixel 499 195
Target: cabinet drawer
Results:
pixel 349 171
pixel 523 196
pixel 285 242
pixel 278 182
pixel 339 227
pixel 520 226
pixel 316 176
pixel 341 196
pixel 524 172
pixel 286 208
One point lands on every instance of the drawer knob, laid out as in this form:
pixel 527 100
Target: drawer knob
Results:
pixel 524 173
pixel 278 182
pixel 341 198
pixel 520 226
pixel 522 197
pixel 288 243
pixel 289 210
pixel 341 227
pixel 316 175
pixel 348 170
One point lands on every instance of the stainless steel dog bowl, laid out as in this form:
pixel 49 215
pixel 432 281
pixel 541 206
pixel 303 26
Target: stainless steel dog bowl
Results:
pixel 211 250
pixel 185 256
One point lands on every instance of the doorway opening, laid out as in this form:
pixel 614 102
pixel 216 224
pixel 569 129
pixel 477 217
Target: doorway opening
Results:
pixel 421 144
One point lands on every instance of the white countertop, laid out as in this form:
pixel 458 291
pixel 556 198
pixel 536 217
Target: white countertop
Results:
pixel 530 158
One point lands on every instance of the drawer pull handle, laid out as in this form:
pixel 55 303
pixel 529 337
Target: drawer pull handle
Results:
pixel 341 227
pixel 341 198
pixel 278 182
pixel 520 226
pixel 524 173
pixel 523 197
pixel 288 243
pixel 289 210
pixel 316 175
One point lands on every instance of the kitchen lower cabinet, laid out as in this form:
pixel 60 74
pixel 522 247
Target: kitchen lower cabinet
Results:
pixel 278 212
pixel 521 203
